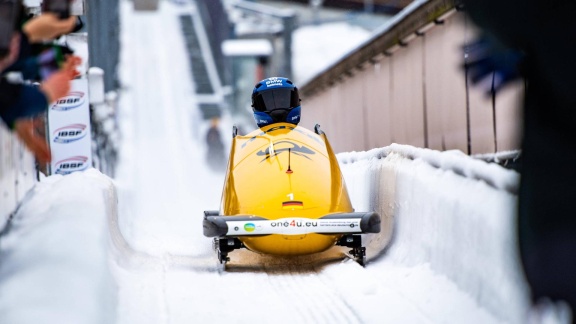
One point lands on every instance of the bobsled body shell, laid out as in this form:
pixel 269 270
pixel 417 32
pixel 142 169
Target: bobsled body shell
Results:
pixel 283 171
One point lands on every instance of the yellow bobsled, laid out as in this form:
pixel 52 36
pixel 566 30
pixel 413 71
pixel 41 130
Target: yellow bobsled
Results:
pixel 284 195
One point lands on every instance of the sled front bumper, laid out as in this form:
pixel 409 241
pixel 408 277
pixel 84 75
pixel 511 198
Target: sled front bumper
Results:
pixel 342 223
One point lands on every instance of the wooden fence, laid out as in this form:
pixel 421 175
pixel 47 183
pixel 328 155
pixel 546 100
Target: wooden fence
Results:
pixel 407 85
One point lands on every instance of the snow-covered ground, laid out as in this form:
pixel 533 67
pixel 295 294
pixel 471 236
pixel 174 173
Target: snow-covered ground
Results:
pixel 72 255
pixel 328 45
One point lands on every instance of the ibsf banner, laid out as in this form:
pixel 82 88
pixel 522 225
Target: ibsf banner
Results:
pixel 69 130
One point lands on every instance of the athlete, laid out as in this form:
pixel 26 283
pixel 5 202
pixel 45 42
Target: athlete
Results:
pixel 275 100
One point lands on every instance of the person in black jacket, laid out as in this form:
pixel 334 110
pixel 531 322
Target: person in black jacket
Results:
pixel 20 102
pixel 542 32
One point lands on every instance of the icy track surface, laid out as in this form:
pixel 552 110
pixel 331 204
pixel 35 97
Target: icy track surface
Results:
pixel 165 268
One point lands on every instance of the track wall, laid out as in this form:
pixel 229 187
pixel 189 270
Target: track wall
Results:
pixel 448 211
pixel 17 173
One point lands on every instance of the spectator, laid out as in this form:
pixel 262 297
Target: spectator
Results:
pixel 275 100
pixel 215 155
pixel 542 31
pixel 20 102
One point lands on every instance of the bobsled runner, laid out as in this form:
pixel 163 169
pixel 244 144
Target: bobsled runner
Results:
pixel 284 195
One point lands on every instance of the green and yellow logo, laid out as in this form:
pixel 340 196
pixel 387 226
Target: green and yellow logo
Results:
pixel 249 227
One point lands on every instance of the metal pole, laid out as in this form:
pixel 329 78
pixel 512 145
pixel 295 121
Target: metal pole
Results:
pixel 289 23
pixel 316 4
pixel 103 23
pixel 368 6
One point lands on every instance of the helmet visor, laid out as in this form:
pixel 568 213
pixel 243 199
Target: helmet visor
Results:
pixel 282 98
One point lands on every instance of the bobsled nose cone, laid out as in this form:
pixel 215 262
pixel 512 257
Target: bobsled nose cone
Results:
pixel 279 115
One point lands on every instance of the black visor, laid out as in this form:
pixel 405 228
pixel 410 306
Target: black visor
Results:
pixel 281 98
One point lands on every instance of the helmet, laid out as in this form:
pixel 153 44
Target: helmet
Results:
pixel 275 100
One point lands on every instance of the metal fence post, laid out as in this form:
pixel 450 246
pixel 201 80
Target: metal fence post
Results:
pixel 103 24
pixel 289 23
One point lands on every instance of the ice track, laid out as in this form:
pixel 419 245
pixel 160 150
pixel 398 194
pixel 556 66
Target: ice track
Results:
pixel 165 268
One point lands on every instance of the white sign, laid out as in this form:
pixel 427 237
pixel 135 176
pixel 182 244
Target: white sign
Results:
pixel 77 8
pixel 69 130
pixel 293 226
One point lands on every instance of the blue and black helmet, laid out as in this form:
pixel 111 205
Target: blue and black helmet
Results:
pixel 275 100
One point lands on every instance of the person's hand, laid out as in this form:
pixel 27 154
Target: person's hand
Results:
pixel 48 26
pixel 70 66
pixel 57 85
pixel 52 58
pixel 491 66
pixel 24 128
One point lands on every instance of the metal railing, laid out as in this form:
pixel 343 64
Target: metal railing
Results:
pixel 287 18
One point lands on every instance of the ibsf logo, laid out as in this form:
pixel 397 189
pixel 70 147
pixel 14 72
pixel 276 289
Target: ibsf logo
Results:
pixel 73 164
pixel 74 99
pixel 70 133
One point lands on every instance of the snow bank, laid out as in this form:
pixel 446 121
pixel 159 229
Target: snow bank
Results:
pixel 54 262
pixel 450 211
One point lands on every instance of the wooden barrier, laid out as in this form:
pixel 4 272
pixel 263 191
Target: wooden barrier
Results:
pixel 407 86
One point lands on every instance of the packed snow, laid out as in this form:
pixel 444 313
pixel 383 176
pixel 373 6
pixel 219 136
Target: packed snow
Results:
pixel 84 248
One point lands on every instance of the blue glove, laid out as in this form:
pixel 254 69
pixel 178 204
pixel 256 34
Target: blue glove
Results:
pixel 491 66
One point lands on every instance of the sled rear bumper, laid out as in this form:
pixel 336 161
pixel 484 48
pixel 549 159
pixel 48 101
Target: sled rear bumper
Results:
pixel 342 223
